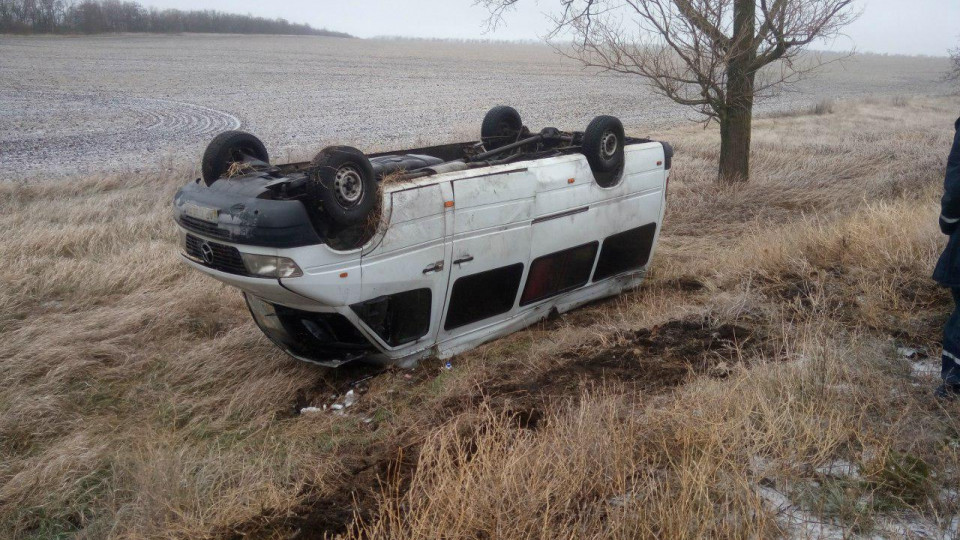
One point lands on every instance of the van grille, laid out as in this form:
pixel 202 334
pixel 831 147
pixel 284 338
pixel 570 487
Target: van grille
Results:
pixel 223 258
pixel 204 227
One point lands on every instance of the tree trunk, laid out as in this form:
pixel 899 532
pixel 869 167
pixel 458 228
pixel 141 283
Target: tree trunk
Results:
pixel 736 120
pixel 735 128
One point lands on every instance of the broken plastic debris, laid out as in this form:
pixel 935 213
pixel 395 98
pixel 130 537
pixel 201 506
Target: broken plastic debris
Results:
pixel 336 406
pixel 923 369
pixel 349 399
pixel 448 365
pixel 309 410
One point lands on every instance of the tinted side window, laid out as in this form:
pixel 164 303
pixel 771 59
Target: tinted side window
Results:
pixel 483 295
pixel 397 318
pixel 625 251
pixel 559 272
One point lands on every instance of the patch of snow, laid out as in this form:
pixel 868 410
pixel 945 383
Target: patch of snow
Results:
pixel 842 388
pixel 915 527
pixel 621 501
pixel 774 499
pixel 310 410
pixel 800 524
pixel 840 469
pixel 760 465
pixel 796 522
pixel 907 352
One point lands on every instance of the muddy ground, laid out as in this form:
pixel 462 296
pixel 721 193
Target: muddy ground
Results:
pixel 72 106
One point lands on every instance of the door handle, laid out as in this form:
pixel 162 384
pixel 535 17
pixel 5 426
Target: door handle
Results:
pixel 462 260
pixel 435 267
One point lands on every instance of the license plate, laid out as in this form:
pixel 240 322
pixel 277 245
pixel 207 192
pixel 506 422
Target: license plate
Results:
pixel 201 212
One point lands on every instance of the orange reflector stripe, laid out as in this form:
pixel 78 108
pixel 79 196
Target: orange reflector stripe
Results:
pixel 570 180
pixel 448 204
pixel 344 274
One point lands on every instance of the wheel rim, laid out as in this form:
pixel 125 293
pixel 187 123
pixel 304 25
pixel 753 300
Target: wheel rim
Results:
pixel 609 144
pixel 348 186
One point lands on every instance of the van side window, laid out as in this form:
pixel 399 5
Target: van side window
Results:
pixel 397 318
pixel 483 295
pixel 559 272
pixel 625 251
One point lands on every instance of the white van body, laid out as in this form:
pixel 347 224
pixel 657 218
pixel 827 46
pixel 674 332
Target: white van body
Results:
pixel 482 253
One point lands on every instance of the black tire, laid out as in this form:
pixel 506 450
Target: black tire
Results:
pixel 230 147
pixel 603 143
pixel 342 183
pixel 501 126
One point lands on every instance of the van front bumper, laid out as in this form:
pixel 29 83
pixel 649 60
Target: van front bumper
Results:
pixel 237 212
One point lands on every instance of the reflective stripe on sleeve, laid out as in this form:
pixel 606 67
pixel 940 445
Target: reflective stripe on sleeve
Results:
pixel 945 219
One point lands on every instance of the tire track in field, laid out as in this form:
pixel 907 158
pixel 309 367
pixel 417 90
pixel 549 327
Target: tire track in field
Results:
pixel 115 130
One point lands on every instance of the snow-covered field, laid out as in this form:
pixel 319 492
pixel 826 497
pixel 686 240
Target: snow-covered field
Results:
pixel 72 106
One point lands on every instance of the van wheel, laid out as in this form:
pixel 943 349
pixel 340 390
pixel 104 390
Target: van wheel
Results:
pixel 342 182
pixel 603 143
pixel 501 126
pixel 228 148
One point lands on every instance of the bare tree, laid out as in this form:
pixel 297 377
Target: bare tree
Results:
pixel 953 74
pixel 716 56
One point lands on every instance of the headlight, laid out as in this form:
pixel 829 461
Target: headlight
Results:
pixel 271 266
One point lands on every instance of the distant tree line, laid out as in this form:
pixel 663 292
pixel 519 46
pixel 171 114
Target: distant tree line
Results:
pixel 94 17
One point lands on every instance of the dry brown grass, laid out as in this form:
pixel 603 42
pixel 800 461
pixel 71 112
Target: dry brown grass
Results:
pixel 139 400
pixel 606 466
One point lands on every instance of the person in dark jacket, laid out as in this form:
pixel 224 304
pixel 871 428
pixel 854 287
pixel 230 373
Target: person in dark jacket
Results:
pixel 947 272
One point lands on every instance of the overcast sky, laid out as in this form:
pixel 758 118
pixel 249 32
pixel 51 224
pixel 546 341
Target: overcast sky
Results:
pixel 886 26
